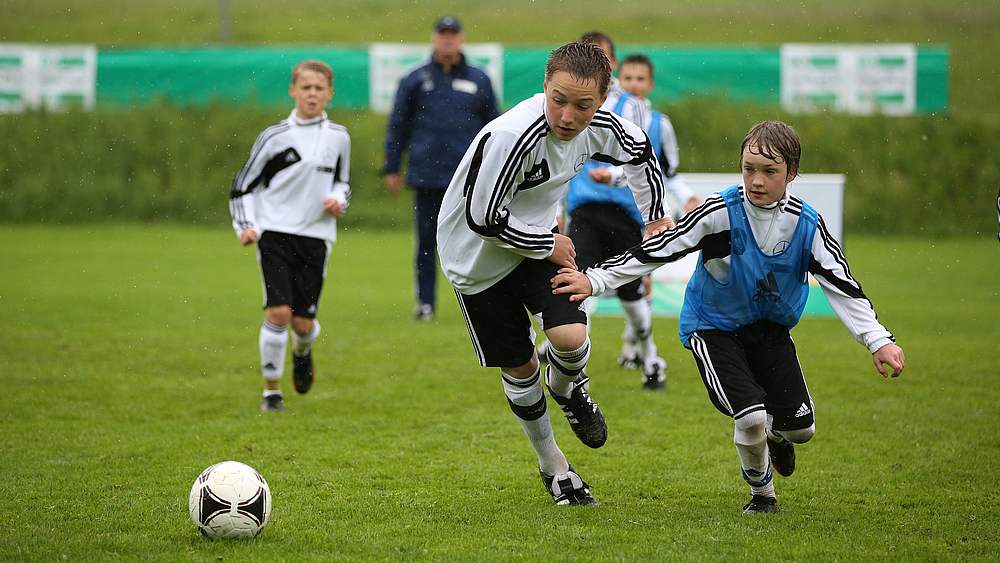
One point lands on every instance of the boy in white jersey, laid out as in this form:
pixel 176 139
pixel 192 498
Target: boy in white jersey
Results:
pixel 287 198
pixel 757 244
pixel 498 247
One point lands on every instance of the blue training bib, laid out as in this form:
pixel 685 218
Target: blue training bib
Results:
pixel 760 287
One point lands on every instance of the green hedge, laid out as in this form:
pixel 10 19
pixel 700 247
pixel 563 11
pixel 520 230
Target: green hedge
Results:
pixel 916 175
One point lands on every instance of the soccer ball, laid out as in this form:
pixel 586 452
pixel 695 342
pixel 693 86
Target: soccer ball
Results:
pixel 230 500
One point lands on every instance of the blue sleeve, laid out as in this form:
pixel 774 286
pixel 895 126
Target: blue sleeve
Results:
pixel 397 136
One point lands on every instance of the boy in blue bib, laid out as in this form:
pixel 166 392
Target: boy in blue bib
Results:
pixel 757 244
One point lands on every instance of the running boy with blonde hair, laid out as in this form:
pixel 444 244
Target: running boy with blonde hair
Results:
pixel 757 244
pixel 287 198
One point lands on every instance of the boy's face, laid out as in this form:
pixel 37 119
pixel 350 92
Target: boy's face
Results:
pixel 311 93
pixel 763 178
pixel 635 79
pixel 570 103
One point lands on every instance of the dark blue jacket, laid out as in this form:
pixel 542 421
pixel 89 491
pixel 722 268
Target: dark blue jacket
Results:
pixel 435 117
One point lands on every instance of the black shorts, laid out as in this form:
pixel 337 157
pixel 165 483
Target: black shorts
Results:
pixel 754 368
pixel 601 231
pixel 499 325
pixel 293 268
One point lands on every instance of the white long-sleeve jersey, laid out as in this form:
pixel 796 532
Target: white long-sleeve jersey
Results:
pixel 707 229
pixel 670 157
pixel 293 167
pixel 501 205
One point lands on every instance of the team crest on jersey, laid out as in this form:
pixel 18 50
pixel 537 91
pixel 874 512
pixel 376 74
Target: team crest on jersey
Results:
pixel 538 175
pixel 780 247
pixel 580 162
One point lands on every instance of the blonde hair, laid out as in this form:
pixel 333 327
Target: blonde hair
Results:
pixel 315 66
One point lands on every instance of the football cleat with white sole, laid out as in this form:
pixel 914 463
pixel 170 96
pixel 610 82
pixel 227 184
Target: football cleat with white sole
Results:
pixel 584 415
pixel 653 376
pixel 272 403
pixel 629 357
pixel 567 488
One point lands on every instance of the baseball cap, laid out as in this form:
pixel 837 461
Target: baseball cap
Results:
pixel 447 23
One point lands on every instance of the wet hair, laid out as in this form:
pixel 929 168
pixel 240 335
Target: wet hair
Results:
pixel 585 61
pixel 315 66
pixel 775 139
pixel 638 59
pixel 598 38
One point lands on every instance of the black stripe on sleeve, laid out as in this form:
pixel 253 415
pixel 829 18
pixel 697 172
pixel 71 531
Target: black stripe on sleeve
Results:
pixel 817 269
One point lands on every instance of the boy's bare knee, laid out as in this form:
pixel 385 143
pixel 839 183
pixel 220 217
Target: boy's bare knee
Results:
pixel 302 325
pixel 569 337
pixel 800 436
pixel 523 371
pixel 280 315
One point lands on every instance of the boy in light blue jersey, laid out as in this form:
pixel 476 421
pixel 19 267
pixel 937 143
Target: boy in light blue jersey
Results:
pixel 757 244
pixel 605 221
pixel 636 78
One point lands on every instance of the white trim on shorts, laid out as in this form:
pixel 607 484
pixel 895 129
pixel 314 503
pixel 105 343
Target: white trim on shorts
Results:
pixel 700 350
pixel 472 332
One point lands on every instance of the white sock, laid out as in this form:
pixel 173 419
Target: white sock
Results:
pixel 528 404
pixel 302 345
pixel 269 392
pixel 751 445
pixel 564 366
pixel 639 314
pixel 273 341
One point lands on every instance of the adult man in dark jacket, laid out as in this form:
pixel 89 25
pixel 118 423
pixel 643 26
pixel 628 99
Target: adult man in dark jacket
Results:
pixel 439 109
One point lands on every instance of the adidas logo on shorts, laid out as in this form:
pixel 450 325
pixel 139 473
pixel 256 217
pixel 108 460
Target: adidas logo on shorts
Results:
pixel 803 410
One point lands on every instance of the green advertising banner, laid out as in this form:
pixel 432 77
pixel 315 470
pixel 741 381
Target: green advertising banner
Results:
pixel 916 81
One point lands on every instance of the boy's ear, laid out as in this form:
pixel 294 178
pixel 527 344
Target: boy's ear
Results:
pixel 792 174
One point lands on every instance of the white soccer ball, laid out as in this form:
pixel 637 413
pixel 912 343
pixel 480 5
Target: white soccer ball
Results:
pixel 230 500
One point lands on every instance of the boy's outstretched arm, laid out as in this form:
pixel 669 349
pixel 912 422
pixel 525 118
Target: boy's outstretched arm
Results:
pixel 891 355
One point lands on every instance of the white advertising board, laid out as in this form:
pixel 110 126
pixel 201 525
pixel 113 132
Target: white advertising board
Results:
pixel 390 62
pixel 33 76
pixel 858 79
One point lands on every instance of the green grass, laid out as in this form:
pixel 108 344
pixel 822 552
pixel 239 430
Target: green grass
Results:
pixel 129 364
pixel 967 27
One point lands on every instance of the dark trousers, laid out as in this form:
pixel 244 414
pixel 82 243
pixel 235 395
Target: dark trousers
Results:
pixel 428 204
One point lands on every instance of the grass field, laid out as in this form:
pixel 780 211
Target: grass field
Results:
pixel 129 364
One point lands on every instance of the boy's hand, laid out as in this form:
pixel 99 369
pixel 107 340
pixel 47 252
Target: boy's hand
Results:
pixel 692 203
pixel 248 236
pixel 601 175
pixel 332 206
pixel 657 227
pixel 563 253
pixel 891 355
pixel 573 282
